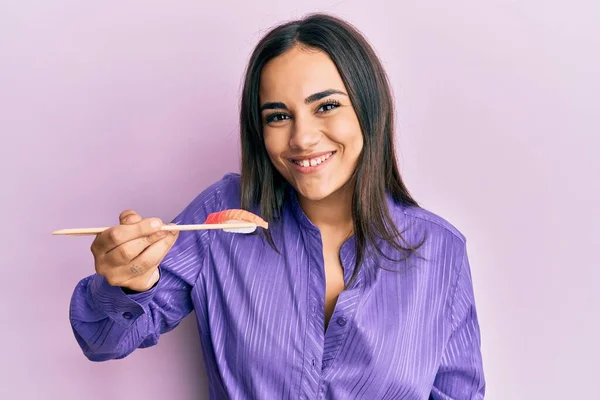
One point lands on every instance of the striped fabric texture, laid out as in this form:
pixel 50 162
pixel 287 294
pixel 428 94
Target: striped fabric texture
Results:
pixel 401 330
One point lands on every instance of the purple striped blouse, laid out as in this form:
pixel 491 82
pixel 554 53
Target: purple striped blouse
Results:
pixel 411 334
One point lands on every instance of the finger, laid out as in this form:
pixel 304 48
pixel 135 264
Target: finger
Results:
pixel 133 278
pixel 129 217
pixel 148 260
pixel 117 235
pixel 126 217
pixel 126 252
pixel 153 254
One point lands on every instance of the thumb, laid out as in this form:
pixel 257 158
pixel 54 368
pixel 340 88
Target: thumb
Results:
pixel 129 217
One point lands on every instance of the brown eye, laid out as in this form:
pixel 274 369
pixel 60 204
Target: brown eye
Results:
pixel 328 106
pixel 276 117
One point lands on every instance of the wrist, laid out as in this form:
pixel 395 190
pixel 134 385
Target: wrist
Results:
pixel 137 289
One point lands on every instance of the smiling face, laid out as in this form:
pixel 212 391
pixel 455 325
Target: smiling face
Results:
pixel 310 129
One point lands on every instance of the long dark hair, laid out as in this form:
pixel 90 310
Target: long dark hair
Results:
pixel 368 88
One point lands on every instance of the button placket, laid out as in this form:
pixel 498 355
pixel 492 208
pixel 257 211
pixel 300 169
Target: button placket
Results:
pixel 315 316
pixel 340 326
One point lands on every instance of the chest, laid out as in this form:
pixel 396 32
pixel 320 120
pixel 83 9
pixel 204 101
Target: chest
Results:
pixel 263 311
pixel 334 281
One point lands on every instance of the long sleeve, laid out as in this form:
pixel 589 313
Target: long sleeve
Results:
pixel 110 324
pixel 460 375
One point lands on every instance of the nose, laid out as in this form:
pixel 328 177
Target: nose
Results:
pixel 304 135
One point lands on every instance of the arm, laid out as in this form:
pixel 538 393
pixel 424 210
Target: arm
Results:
pixel 460 374
pixel 110 324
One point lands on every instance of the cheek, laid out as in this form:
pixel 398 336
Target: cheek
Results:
pixel 346 131
pixel 275 145
pixel 270 143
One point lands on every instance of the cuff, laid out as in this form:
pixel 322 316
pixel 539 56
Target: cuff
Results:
pixel 122 308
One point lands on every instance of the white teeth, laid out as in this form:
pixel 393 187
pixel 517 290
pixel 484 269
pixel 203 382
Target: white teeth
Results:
pixel 313 162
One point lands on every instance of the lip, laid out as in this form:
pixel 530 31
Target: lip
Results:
pixel 312 169
pixel 313 155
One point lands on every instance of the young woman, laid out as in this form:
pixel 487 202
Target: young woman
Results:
pixel 353 292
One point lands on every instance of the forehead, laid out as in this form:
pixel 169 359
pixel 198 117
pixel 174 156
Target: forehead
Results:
pixel 298 73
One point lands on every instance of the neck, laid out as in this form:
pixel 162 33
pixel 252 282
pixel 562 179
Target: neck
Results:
pixel 331 213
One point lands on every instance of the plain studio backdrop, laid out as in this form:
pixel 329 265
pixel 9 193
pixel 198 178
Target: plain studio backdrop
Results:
pixel 134 104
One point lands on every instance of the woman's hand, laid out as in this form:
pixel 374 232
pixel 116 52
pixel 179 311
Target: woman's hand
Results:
pixel 128 255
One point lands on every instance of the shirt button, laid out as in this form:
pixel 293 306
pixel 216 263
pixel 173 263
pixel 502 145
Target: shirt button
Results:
pixel 341 321
pixel 313 362
pixel 127 315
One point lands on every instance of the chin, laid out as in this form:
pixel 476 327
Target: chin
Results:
pixel 316 193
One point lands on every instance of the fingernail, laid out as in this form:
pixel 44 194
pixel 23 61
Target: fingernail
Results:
pixel 172 232
pixel 161 233
pixel 155 223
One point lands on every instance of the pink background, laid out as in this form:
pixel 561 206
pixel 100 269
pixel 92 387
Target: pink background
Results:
pixel 118 104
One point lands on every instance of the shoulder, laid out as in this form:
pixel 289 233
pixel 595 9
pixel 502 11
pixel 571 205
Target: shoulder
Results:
pixel 224 193
pixel 444 250
pixel 417 224
pixel 423 216
pixel 220 195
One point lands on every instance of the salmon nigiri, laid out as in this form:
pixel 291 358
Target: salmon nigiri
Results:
pixel 236 215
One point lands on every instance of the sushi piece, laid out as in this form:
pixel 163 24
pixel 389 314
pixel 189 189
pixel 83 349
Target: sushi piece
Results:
pixel 236 216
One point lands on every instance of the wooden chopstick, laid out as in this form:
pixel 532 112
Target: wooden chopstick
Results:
pixel 196 227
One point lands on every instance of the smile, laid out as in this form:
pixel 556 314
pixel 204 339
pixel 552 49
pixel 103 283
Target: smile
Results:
pixel 313 161
pixel 309 165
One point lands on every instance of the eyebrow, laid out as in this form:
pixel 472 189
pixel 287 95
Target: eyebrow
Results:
pixel 310 99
